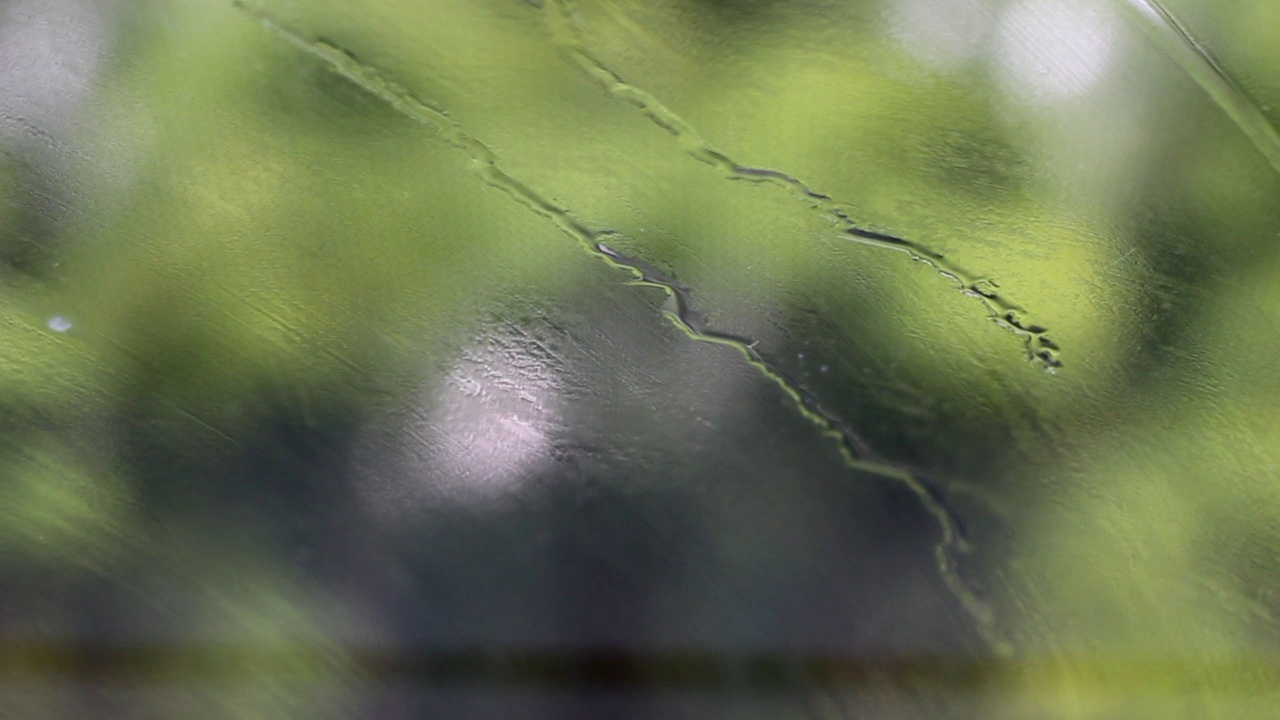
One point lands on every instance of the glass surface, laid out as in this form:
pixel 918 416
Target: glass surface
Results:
pixel 640 359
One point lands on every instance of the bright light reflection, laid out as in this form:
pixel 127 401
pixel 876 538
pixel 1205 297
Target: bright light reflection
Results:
pixel 478 436
pixel 1054 50
pixel 490 423
pixel 49 54
pixel 941 33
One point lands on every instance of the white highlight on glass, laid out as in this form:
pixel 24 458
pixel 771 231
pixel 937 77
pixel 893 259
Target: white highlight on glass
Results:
pixel 477 436
pixel 941 33
pixel 1054 50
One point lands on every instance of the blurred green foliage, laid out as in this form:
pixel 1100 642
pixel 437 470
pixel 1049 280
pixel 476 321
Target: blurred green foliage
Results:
pixel 255 256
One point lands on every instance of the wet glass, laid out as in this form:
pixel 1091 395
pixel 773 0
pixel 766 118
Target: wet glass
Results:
pixel 662 358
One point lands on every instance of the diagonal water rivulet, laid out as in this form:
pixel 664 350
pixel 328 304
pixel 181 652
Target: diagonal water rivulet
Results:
pixel 484 164
pixel 1199 65
pixel 1039 348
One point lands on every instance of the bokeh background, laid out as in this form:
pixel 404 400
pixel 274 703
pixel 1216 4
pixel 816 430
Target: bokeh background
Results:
pixel 675 358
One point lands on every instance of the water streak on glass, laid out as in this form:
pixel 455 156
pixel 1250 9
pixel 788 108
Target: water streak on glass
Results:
pixel 1200 64
pixel 1039 347
pixel 558 358
pixel 485 164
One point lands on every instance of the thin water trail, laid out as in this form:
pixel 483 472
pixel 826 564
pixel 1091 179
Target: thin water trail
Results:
pixel 855 451
pixel 1203 69
pixel 484 164
pixel 1039 348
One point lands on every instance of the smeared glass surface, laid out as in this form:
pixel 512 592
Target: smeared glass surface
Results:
pixel 497 358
